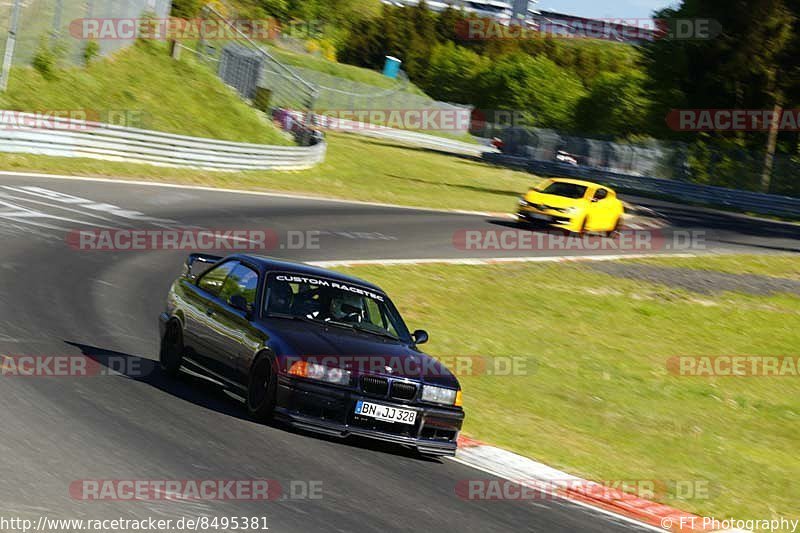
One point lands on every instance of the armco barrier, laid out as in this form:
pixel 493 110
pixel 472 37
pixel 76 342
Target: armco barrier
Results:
pixel 33 134
pixel 424 140
pixel 753 202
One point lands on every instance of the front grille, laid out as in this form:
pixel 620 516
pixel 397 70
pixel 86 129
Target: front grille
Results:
pixel 374 385
pixel 403 391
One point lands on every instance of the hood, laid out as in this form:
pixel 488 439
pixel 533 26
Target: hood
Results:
pixel 361 353
pixel 562 202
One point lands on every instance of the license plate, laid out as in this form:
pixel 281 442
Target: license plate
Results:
pixel 537 216
pixel 387 413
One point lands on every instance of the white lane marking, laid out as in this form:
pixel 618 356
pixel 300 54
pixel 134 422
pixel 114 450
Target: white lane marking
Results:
pixel 63 208
pixel 85 203
pixel 490 261
pixel 29 222
pixel 19 212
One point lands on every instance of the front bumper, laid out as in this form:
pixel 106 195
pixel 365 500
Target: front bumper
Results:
pixel 556 219
pixel 331 410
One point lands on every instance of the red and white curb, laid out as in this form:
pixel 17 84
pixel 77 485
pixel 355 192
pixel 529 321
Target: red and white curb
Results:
pixel 529 473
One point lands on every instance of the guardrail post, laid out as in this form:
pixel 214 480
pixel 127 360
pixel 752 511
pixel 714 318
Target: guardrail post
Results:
pixel 11 42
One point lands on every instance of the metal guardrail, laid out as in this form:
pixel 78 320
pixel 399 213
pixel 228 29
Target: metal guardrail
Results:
pixel 753 202
pixel 423 140
pixel 32 134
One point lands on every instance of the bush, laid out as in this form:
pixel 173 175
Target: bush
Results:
pixel 47 58
pixel 90 51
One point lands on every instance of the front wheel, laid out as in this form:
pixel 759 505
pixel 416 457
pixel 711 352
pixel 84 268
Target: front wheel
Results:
pixel 261 390
pixel 171 353
pixel 581 228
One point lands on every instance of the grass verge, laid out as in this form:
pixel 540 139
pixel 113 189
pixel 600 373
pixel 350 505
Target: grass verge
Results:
pixel 142 86
pixel 355 168
pixel 597 399
pixel 340 70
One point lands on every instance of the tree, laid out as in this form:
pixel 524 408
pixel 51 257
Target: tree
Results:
pixel 752 64
pixel 617 105
pixel 453 73
pixel 546 94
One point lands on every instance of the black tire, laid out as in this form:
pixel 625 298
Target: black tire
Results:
pixel 261 389
pixel 171 353
pixel 582 229
pixel 614 232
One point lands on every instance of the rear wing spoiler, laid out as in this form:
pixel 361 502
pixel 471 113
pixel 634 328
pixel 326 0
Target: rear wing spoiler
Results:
pixel 206 259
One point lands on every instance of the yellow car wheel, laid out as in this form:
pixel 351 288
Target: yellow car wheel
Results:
pixel 582 226
pixel 614 231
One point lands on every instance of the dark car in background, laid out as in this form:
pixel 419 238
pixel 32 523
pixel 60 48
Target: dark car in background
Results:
pixel 317 349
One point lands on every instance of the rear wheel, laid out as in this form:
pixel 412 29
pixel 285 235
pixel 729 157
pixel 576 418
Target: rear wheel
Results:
pixel 613 232
pixel 171 353
pixel 261 389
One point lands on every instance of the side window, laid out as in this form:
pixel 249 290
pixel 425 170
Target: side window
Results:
pixel 374 313
pixel 213 280
pixel 601 194
pixel 243 280
pixel 378 318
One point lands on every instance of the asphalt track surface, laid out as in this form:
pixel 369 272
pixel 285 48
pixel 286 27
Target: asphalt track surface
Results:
pixel 58 300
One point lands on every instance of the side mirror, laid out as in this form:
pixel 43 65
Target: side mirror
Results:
pixel 420 336
pixel 237 301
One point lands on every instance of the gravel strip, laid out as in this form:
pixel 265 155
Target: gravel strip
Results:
pixel 701 281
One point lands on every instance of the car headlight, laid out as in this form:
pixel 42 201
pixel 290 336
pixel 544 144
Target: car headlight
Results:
pixel 329 374
pixel 572 210
pixel 523 202
pixel 439 395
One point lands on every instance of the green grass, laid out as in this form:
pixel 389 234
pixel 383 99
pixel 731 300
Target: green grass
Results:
pixel 341 70
pixel 355 168
pixel 142 82
pixel 598 401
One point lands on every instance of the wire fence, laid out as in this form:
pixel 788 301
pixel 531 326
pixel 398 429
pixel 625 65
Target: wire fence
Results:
pixel 259 76
pixel 64 27
pixel 735 168
pixel 246 66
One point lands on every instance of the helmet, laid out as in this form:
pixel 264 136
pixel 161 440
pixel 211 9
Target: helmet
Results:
pixel 347 307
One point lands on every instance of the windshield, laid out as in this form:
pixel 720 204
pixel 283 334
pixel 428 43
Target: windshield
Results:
pixel 567 190
pixel 333 302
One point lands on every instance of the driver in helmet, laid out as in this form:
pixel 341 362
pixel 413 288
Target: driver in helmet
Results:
pixel 347 308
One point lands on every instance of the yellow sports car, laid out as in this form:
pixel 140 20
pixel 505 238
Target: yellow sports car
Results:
pixel 573 205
